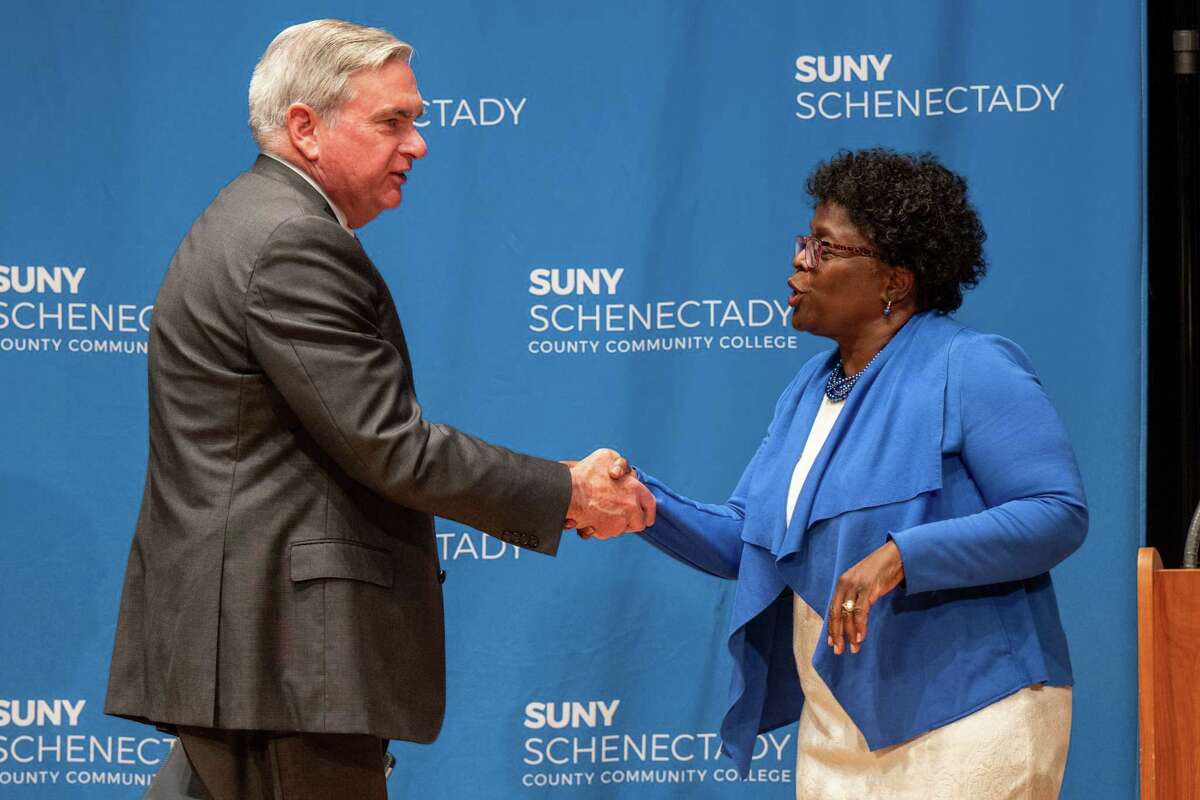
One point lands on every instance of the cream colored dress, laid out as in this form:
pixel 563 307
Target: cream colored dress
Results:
pixel 1013 749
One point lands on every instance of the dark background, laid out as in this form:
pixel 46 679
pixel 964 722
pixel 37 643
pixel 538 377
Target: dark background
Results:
pixel 1172 454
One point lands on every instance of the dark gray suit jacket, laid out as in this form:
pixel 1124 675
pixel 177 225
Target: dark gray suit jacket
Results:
pixel 284 574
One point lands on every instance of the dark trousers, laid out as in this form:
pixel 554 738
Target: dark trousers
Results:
pixel 266 765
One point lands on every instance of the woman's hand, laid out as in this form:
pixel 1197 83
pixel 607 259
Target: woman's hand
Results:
pixel 860 586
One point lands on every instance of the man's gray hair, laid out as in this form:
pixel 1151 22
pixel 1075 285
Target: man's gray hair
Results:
pixel 311 63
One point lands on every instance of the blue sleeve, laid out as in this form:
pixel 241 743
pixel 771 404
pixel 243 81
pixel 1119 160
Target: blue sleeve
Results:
pixel 1016 451
pixel 703 536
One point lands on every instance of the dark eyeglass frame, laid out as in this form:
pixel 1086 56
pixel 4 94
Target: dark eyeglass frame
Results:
pixel 813 250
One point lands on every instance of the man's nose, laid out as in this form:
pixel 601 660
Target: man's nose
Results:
pixel 414 145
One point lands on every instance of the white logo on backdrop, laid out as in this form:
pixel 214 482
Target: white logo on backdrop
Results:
pixel 469 545
pixel 484 112
pixel 580 315
pixel 41 310
pixel 578 745
pixel 870 102
pixel 38 753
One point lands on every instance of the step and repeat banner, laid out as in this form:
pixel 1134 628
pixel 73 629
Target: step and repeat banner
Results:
pixel 592 254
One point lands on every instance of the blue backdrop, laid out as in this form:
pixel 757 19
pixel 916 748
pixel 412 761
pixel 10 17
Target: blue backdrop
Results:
pixel 658 147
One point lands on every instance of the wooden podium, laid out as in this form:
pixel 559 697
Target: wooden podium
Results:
pixel 1168 678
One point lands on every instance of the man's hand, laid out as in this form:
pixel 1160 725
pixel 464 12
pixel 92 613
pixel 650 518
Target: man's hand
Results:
pixel 606 500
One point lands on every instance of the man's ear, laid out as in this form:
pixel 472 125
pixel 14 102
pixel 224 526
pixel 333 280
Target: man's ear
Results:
pixel 302 124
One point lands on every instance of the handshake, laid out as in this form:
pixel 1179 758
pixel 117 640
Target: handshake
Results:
pixel 606 499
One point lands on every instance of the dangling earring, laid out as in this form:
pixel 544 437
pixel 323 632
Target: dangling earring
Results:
pixel 887 310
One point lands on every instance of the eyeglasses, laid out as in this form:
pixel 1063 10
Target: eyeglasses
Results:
pixel 815 252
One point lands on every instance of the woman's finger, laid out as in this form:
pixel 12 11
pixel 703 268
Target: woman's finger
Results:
pixel 848 619
pixel 863 616
pixel 855 621
pixel 649 505
pixel 836 621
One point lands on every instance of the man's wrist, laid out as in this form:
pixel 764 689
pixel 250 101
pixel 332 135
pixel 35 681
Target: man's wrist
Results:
pixel 578 490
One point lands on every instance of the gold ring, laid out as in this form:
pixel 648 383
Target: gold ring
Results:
pixel 848 607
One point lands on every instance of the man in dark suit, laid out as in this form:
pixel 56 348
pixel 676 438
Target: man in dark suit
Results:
pixel 282 607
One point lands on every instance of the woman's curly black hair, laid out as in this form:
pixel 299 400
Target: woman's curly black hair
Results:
pixel 916 214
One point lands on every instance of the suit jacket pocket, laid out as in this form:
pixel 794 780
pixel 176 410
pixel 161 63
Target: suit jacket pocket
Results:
pixel 340 558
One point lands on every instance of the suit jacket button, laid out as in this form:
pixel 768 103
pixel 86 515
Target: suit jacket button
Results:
pixel 441 576
pixel 534 541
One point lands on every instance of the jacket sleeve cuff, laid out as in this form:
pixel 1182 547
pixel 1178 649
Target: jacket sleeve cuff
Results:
pixel 546 509
pixel 920 571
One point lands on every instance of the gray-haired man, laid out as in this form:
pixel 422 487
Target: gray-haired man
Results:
pixel 282 608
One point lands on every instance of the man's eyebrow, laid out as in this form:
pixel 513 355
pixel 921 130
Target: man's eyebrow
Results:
pixel 409 112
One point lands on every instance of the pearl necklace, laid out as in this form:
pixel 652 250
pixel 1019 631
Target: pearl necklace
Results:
pixel 838 387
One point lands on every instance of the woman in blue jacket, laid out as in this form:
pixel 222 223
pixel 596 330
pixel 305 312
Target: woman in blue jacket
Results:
pixel 892 537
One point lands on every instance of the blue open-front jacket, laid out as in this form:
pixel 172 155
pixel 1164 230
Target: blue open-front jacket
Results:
pixel 948 445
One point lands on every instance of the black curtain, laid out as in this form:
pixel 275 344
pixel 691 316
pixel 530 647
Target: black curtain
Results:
pixel 1173 143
